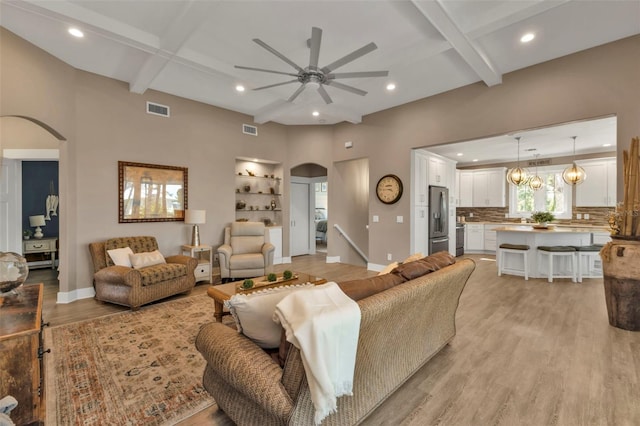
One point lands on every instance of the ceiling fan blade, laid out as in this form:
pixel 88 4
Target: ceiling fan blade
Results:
pixel 275 85
pixel 351 89
pixel 316 38
pixel 278 54
pixel 264 70
pixel 296 93
pixel 358 74
pixel 324 94
pixel 350 57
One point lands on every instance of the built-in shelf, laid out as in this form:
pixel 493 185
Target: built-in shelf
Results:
pixel 260 191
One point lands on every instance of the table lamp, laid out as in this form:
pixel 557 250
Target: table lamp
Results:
pixel 37 221
pixel 195 217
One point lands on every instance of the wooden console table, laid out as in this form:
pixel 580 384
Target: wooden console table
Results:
pixel 41 245
pixel 21 369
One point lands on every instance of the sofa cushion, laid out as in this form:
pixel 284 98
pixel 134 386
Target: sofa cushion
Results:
pixel 137 244
pixel 143 260
pixel 359 289
pixel 247 261
pixel 418 268
pixel 253 313
pixel 120 256
pixel 164 272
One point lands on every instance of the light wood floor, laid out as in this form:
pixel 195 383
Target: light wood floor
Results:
pixel 525 353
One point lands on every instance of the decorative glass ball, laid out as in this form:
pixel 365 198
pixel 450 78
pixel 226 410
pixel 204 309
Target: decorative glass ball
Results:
pixel 13 271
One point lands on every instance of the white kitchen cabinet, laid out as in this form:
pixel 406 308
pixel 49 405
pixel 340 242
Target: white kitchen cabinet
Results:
pixel 420 234
pixel 489 186
pixel 474 238
pixel 464 188
pixel 439 171
pixel 420 179
pixel 490 237
pixel 599 188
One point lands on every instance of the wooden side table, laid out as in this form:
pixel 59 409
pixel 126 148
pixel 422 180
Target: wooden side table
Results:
pixel 22 351
pixel 204 254
pixel 41 245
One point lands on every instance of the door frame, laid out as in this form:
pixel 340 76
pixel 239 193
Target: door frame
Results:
pixel 311 249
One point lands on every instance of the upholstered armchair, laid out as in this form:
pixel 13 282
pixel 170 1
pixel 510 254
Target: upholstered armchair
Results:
pixel 246 252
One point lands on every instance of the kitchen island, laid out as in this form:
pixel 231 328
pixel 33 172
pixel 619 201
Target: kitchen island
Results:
pixel 533 237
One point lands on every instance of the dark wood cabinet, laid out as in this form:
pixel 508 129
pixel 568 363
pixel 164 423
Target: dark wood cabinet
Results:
pixel 21 352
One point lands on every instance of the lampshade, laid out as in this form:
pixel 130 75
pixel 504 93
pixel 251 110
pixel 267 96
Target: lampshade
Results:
pixel 194 217
pixel 574 174
pixel 517 175
pixel 37 220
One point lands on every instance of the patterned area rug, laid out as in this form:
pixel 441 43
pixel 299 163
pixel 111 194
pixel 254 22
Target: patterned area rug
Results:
pixel 130 368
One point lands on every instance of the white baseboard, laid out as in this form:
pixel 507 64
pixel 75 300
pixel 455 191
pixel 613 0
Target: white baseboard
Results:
pixel 286 259
pixel 333 259
pixel 72 296
pixel 375 267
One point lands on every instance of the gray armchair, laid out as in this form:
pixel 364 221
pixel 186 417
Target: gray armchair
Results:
pixel 246 253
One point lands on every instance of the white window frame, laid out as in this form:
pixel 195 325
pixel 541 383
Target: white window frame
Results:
pixel 568 190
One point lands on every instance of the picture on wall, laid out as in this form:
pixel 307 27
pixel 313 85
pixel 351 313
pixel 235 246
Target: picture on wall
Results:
pixel 151 193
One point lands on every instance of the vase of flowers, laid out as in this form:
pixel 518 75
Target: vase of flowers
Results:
pixel 621 256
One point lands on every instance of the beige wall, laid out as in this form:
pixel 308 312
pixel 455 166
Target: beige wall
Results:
pixel 104 123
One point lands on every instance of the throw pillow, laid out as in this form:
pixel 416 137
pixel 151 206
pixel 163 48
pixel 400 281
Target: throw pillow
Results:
pixel 426 265
pixel 413 258
pixel 253 314
pixel 390 267
pixel 120 256
pixel 359 289
pixel 150 258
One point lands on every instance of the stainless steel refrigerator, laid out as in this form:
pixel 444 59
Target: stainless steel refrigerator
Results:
pixel 438 219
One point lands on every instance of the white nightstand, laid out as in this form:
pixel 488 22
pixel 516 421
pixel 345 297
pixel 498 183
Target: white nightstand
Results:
pixel 204 254
pixel 47 245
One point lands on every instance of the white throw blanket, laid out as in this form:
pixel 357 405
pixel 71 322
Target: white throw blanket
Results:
pixel 324 323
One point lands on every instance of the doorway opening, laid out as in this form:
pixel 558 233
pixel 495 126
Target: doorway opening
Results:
pixel 309 209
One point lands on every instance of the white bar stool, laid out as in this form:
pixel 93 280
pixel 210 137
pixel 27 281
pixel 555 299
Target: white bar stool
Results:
pixel 519 249
pixel 587 256
pixel 559 251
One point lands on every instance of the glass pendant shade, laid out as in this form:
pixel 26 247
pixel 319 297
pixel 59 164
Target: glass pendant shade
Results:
pixel 574 174
pixel 536 182
pixel 518 176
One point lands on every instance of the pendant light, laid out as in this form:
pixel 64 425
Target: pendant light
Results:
pixel 518 176
pixel 536 182
pixel 574 174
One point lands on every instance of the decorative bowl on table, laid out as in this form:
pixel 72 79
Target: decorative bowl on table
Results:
pixel 13 271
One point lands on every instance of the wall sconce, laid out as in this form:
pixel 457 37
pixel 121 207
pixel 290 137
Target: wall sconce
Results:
pixel 574 174
pixel 517 176
pixel 195 217
pixel 36 222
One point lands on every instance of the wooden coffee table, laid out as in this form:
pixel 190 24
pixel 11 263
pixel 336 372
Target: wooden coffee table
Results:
pixel 222 292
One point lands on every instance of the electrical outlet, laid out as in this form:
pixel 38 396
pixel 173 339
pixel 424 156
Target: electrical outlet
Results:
pixel 578 215
pixel 399 219
pixel 389 257
pixel 586 216
pixel 471 214
pixel 376 218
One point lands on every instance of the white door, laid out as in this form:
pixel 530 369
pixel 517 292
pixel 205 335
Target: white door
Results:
pixel 10 205
pixel 299 232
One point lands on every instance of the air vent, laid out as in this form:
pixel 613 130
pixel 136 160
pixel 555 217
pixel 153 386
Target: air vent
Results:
pixel 157 109
pixel 249 130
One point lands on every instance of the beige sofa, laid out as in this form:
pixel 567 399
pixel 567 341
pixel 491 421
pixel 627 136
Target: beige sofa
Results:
pixel 401 328
pixel 135 287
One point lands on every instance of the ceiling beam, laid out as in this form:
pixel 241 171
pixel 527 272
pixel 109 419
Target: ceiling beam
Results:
pixel 273 111
pixel 192 16
pixel 472 55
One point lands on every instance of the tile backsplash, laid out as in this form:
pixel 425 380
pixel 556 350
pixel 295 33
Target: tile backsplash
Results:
pixel 597 215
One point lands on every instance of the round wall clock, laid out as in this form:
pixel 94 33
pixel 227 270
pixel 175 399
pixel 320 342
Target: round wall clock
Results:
pixel 389 189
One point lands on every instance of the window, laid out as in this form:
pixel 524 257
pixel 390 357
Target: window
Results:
pixel 555 196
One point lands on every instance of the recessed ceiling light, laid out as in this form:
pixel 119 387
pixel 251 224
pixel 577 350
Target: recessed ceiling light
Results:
pixel 606 144
pixel 240 88
pixel 475 160
pixel 527 37
pixel 315 113
pixel 391 86
pixel 459 154
pixel 76 32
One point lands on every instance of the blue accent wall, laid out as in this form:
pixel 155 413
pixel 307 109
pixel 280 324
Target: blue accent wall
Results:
pixel 36 181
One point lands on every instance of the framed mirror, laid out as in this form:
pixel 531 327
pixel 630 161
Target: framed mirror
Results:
pixel 151 193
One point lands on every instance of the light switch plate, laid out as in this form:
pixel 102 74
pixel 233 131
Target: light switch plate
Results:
pixel 578 215
pixel 399 219
pixel 586 216
pixel 376 218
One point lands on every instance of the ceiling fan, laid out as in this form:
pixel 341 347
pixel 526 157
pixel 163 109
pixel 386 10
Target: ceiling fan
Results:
pixel 313 76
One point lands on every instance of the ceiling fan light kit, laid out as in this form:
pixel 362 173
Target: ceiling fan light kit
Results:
pixel 574 174
pixel 315 77
pixel 517 175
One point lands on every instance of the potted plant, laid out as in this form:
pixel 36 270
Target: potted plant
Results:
pixel 621 256
pixel 542 218
pixel 27 233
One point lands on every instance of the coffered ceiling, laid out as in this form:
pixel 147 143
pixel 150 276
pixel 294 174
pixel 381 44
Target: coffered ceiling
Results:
pixel 189 48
